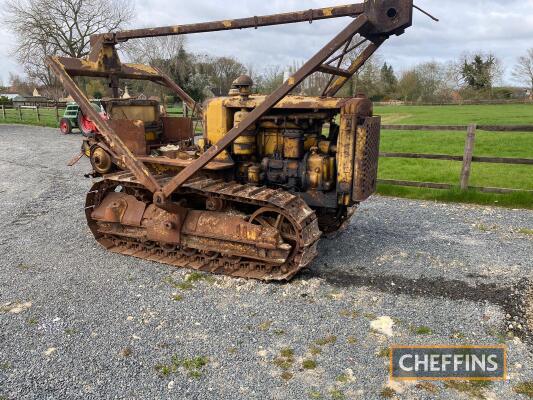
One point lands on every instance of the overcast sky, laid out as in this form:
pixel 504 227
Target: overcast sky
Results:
pixel 504 27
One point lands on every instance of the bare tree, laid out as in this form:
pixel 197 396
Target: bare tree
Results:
pixel 154 49
pixel 59 27
pixel 523 70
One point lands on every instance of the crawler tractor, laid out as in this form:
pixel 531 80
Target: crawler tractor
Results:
pixel 270 174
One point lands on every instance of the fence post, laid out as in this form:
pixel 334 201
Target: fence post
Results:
pixel 57 112
pixel 38 115
pixel 20 113
pixel 467 158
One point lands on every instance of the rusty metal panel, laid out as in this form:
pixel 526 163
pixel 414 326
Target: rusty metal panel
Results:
pixel 177 128
pixel 366 158
pixel 132 135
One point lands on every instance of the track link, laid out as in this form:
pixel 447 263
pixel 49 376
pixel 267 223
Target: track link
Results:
pixel 291 206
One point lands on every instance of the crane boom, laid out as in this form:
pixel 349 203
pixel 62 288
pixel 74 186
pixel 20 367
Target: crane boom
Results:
pixel 375 21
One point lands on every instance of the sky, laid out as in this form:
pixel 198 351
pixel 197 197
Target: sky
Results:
pixel 503 27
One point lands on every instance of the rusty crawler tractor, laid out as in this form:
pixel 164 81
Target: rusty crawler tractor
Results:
pixel 252 198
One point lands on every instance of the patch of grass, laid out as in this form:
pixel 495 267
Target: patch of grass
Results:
pixel 313 394
pixel 351 340
pixel 385 352
pixel 265 326
pixel 525 388
pixel 308 364
pixel 286 375
pixel 199 277
pixel 32 321
pixel 485 228
pixel 475 389
pixel 428 387
pixel 70 331
pixel 193 366
pixel 313 350
pixel 4 366
pixel 422 330
pixel 509 200
pixel 279 332
pixel 337 394
pixel 343 378
pixel 287 352
pixel 177 297
pixel 370 316
pixel 232 350
pixel 387 393
pixel 525 231
pixel 184 285
pixel 24 267
pixel 188 282
pixel 330 339
pixel 285 359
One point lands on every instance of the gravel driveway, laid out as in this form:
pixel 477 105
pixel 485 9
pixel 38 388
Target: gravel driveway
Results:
pixel 78 322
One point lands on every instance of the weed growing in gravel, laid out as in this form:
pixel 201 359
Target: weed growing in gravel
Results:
pixel 525 388
pixel 24 267
pixel 232 350
pixel 313 394
pixel 422 330
pixel 286 376
pixel 285 359
pixel 343 378
pixel 385 352
pixel 309 364
pixel 370 316
pixel 191 278
pixel 70 331
pixel 279 332
pixel 428 387
pixel 485 228
pixel 265 326
pixel 177 297
pixel 33 321
pixel 351 340
pixel 4 366
pixel 525 231
pixel 475 389
pixel 193 366
pixel 336 394
pixel 331 339
pixel 315 350
pixel 388 393
pixel 198 277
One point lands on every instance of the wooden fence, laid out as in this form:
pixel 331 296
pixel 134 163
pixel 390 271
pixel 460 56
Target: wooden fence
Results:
pixel 36 111
pixel 467 158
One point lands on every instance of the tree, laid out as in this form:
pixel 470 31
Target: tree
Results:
pixel 60 27
pixel 480 72
pixel 523 70
pixel 389 82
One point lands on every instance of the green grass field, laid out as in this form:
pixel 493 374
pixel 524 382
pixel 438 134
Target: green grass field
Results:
pixel 505 114
pixel 487 144
pixel 29 117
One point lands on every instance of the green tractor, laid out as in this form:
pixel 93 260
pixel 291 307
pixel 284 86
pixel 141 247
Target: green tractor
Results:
pixel 73 118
